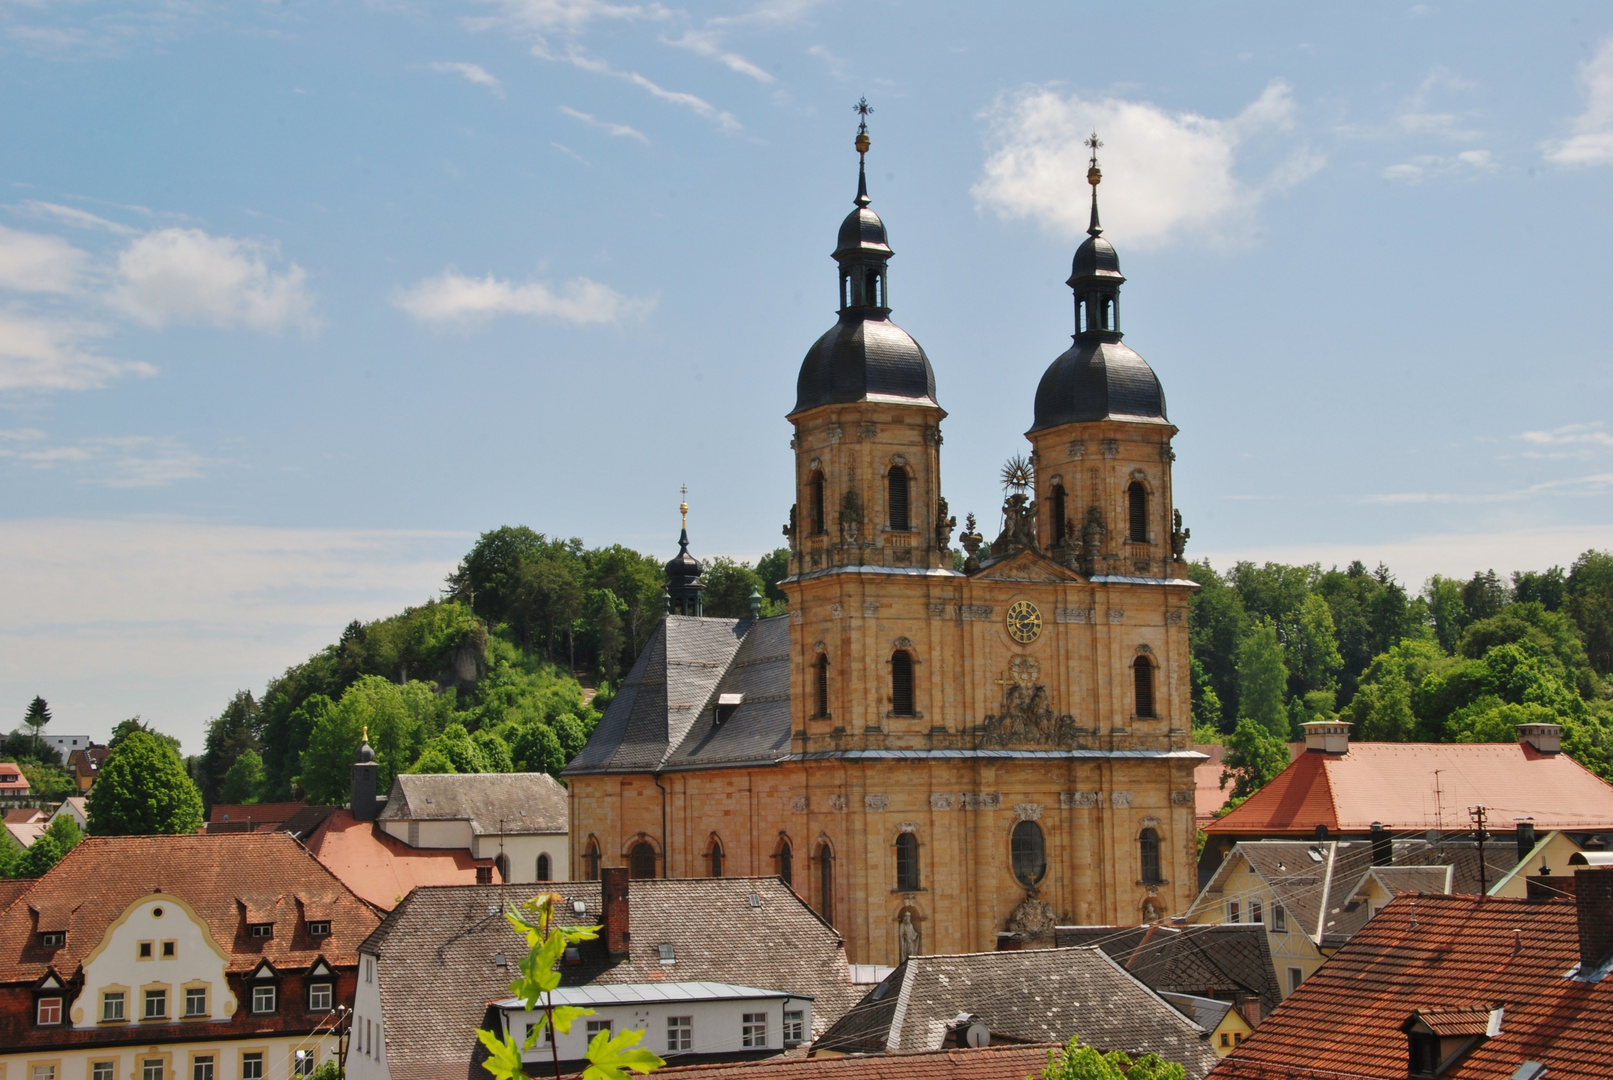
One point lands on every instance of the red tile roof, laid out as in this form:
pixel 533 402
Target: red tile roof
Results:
pixel 1396 783
pixel 1435 954
pixel 11 888
pixel 257 813
pixel 1210 796
pixel 381 868
pixel 986 1063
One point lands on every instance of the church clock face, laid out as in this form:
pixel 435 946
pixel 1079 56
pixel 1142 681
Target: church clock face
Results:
pixel 1024 622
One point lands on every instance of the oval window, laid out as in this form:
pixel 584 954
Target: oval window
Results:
pixel 1028 851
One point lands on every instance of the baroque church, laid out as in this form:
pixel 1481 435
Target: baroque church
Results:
pixel 937 760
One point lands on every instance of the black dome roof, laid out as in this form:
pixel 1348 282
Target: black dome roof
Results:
pixel 864 356
pixel 1098 380
pixel 862 232
pixel 683 567
pixel 1095 258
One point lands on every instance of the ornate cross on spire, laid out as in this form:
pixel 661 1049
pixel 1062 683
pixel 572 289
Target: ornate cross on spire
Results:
pixel 683 507
pixel 863 110
pixel 1094 177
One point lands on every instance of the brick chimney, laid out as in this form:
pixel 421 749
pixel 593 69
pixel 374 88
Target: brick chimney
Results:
pixel 1593 892
pixel 1327 737
pixel 1546 738
pixel 1526 839
pixel 1383 845
pixel 613 888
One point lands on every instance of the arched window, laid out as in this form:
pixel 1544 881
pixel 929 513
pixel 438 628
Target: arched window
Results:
pixel 907 862
pixel 898 498
pixel 543 867
pixel 901 683
pixel 820 523
pixel 1142 676
pixel 1148 849
pixel 871 288
pixel 821 690
pixel 590 860
pixel 503 863
pixel 1137 496
pixel 826 883
pixel 1057 531
pixel 714 857
pixel 641 860
pixel 1027 850
pixel 785 858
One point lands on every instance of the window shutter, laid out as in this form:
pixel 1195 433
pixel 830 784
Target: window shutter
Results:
pixel 898 499
pixel 1139 512
pixel 1143 675
pixel 901 683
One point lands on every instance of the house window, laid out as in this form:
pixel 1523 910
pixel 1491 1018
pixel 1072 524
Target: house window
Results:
pixel 156 1005
pixel 1226 1040
pixel 369 969
pixel 196 1001
pixel 1279 919
pixel 1255 914
pixel 152 1069
pixel 1142 677
pixel 44 1072
pixel 898 498
pixel 1237 1038
pixel 794 1026
pixel 53 939
pixel 170 949
pixel 1137 498
pixel 302 1062
pixel 543 867
pixel 679 1033
pixel 252 1066
pixel 901 683
pixel 48 1011
pixel 641 860
pixel 1424 1055
pixel 145 949
pixel 667 952
pixel 319 928
pixel 822 671
pixel 714 857
pixel 596 1026
pixel 820 523
pixel 590 860
pixel 785 858
pixel 103 1070
pixel 201 1067
pixel 112 1006
pixel 261 930
pixel 320 996
pixel 1148 849
pixel 1295 977
pixel 1027 851
pixel 1233 913
pixel 826 884
pixel 753 1031
pixel 263 999
pixel 907 862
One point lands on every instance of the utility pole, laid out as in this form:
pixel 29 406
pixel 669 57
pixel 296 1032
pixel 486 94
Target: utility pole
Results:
pixel 1477 813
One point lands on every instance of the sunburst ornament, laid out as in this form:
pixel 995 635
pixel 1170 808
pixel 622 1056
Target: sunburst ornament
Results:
pixel 1018 475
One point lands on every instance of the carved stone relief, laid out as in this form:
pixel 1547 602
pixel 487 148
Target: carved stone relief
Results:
pixel 837 803
pixel 909 826
pixel 1111 448
pixel 1117 615
pixel 938 611
pixel 1079 800
pixel 942 801
pixel 981 800
pixel 1076 451
pixel 1183 798
pixel 876 804
pixel 1075 615
pixel 1028 811
pixel 870 608
pixel 1032 919
pixel 975 611
pixel 834 433
pixel 797 617
pixel 867 431
pixel 834 610
pixel 798 805
pixel 1120 800
pixel 1173 617
pixel 902 643
pixel 1026 717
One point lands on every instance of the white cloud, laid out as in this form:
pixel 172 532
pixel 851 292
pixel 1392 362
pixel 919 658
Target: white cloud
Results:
pixel 570 17
pixel 135 461
pixel 472 72
pixel 708 43
pixel 1468 163
pixel 38 262
pixel 71 215
pixel 454 297
pixel 1592 434
pixel 187 276
pixel 1417 115
pixel 580 59
pixel 1574 486
pixel 1592 140
pixel 621 130
pixel 1166 172
pixel 40 352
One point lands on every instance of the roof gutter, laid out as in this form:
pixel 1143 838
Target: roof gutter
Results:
pixel 666 841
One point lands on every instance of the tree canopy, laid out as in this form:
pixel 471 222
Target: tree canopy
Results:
pixel 142 789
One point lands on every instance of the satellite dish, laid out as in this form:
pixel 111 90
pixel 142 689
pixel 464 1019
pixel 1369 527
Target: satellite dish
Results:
pixel 978 1035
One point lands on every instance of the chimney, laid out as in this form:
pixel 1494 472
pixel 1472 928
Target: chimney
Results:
pixel 1545 738
pixel 1526 839
pixel 366 773
pixel 1593 892
pixel 1327 737
pixel 1383 845
pixel 613 888
pixel 1251 1010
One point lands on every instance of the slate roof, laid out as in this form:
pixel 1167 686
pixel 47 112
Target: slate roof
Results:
pixel 1395 783
pixel 1451 953
pixel 1098 380
pixel 524 802
pixel 1206 961
pixel 448 936
pixel 986 1063
pixel 383 869
pixel 1033 995
pixel 663 714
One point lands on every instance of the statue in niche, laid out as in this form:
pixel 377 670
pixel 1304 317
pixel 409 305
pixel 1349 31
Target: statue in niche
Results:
pixel 1179 537
pixel 943 524
pixel 909 937
pixel 1092 532
pixel 971 540
pixel 851 517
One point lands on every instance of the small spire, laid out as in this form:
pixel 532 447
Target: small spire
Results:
pixel 1094 177
pixel 683 507
pixel 366 736
pixel 863 109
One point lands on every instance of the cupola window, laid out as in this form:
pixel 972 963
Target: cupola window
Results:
pixel 641 860
pixel 898 499
pixel 822 687
pixel 820 521
pixel 902 683
pixel 1142 673
pixel 907 862
pixel 1137 497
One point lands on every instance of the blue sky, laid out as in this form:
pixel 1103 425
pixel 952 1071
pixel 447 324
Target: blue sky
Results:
pixel 296 299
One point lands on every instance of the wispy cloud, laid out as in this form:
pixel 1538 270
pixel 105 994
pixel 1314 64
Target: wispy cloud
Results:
pixel 470 72
pixel 577 57
pixel 1175 172
pixel 1467 164
pixel 39 262
pixel 838 68
pixel 621 130
pixel 1568 441
pixel 454 297
pixel 708 43
pixel 72 215
pixel 187 276
pixel 569 152
pixel 1418 115
pixel 44 352
pixel 134 461
pixel 1591 141
pixel 1577 486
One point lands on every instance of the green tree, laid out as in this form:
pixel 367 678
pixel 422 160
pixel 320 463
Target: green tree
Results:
pixel 773 568
pixel 400 719
pixel 37 716
pixel 1207 711
pixel 1381 710
pixel 1312 652
pixel 57 840
pixel 230 734
pixel 1253 756
pixel 603 618
pixel 1217 621
pixel 636 580
pixel 1590 604
pixel 142 789
pixel 1484 596
pixel 434 761
pixel 47 781
pixel 1263 679
pixel 1445 609
pixel 729 586
pixel 496 755
pixel 133 724
pixel 536 748
pixel 1548 588
pixel 243 784
pixel 456 747
pixel 1078 1061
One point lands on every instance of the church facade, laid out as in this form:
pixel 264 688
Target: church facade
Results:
pixel 937 760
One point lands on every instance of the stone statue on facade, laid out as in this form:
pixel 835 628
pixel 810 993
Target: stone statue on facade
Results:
pixel 971 540
pixel 909 945
pixel 1179 537
pixel 943 524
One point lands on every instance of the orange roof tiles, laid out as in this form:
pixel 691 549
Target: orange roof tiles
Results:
pixel 1439 954
pixel 1418 786
pixel 1210 796
pixel 986 1063
pixel 381 868
pixel 254 812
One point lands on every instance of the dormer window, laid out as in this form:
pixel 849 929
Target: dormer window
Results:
pixel 48 1011
pixel 319 928
pixel 260 930
pixel 727 706
pixel 52 939
pixel 1436 1038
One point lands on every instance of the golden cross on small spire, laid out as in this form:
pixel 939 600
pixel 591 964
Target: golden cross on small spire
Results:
pixel 1094 174
pixel 683 507
pixel 366 733
pixel 864 110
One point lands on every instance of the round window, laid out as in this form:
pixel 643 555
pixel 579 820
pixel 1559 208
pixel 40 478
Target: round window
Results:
pixel 1028 851
pixel 156 913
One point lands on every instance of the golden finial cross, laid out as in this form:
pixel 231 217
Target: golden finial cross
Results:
pixel 1094 174
pixel 683 507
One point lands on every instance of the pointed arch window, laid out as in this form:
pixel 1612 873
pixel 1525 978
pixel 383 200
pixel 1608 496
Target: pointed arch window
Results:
pixel 820 521
pixel 641 860
pixel 897 480
pixel 821 684
pixel 1148 851
pixel 1142 677
pixel 544 873
pixel 590 860
pixel 907 862
pixel 1137 500
pixel 902 683
pixel 1057 532
pixel 503 863
pixel 714 858
pixel 826 883
pixel 784 857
